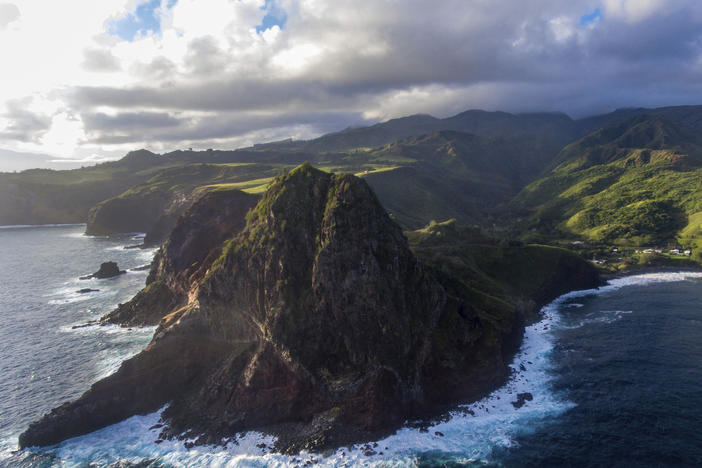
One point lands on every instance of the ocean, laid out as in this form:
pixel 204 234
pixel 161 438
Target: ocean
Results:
pixel 614 375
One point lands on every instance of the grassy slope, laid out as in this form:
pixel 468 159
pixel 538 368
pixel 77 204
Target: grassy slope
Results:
pixel 437 176
pixel 637 184
pixel 46 196
pixel 494 272
pixel 453 175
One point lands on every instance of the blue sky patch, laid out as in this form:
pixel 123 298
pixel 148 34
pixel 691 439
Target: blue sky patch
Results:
pixel 143 20
pixel 275 16
pixel 591 18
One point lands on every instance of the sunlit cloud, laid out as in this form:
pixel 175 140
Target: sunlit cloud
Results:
pixel 168 74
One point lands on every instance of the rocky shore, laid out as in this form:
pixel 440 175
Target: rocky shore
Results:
pixel 307 316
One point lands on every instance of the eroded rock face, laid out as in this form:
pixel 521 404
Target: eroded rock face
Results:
pixel 185 257
pixel 313 321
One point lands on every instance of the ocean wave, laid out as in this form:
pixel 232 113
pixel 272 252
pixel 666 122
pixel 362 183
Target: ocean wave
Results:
pixel 126 342
pixel 147 255
pixel 72 295
pixel 470 434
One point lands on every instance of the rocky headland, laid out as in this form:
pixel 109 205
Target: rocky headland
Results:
pixel 307 315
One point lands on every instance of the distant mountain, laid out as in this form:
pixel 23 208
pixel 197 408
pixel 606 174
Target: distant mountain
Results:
pixel 691 116
pixel 450 174
pixel 636 182
pixel 558 127
pixel 13 161
pixel 423 168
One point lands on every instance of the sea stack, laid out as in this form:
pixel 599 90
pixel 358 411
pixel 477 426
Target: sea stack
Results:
pixel 106 270
pixel 310 319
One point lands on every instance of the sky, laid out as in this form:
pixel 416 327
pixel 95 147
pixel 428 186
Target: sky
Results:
pixel 83 81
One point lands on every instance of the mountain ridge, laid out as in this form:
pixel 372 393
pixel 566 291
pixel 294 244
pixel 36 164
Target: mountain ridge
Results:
pixel 632 182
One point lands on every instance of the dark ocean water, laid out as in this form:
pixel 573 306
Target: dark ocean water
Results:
pixel 615 374
pixel 631 362
pixel 43 362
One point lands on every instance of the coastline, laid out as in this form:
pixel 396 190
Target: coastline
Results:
pixel 650 269
pixel 28 226
pixel 482 418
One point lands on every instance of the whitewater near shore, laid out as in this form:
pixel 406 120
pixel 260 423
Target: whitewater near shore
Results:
pixel 471 433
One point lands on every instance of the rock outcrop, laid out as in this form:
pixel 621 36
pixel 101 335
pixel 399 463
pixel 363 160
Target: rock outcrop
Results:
pixel 106 270
pixel 184 258
pixel 313 320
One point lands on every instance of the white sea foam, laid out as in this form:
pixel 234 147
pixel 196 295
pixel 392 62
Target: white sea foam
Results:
pixel 123 342
pixel 470 434
pixel 71 295
pixel 119 248
pixel 83 235
pixel 128 342
pixel 147 255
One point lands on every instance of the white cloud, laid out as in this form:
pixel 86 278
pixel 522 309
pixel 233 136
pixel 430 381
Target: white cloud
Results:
pixel 208 77
pixel 8 14
pixel 634 11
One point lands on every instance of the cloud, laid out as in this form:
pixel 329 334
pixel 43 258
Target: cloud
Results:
pixel 128 121
pixel 8 13
pixel 223 72
pixel 21 123
pixel 633 11
pixel 207 128
pixel 100 60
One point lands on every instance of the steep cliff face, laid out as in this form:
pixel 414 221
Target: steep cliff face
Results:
pixel 314 321
pixel 182 261
pixel 335 309
pixel 155 206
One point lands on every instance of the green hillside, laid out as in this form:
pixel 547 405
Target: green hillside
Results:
pixel 441 175
pixel 636 183
pixel 633 181
pixel 458 175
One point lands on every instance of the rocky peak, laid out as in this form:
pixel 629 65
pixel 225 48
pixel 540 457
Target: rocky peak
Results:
pixel 329 276
pixel 313 321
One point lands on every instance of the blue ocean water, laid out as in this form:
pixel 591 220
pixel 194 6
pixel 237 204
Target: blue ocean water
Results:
pixel 615 374
pixel 43 361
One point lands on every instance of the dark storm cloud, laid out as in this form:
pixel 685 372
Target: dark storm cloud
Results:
pixel 220 95
pixel 340 63
pixel 419 46
pixel 164 128
pixel 128 121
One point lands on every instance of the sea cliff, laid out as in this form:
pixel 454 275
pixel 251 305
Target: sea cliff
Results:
pixel 308 316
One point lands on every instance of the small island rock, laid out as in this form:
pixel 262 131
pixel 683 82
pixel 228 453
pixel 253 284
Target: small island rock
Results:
pixel 108 270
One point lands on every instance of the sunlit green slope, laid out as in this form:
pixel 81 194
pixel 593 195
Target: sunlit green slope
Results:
pixel 637 182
